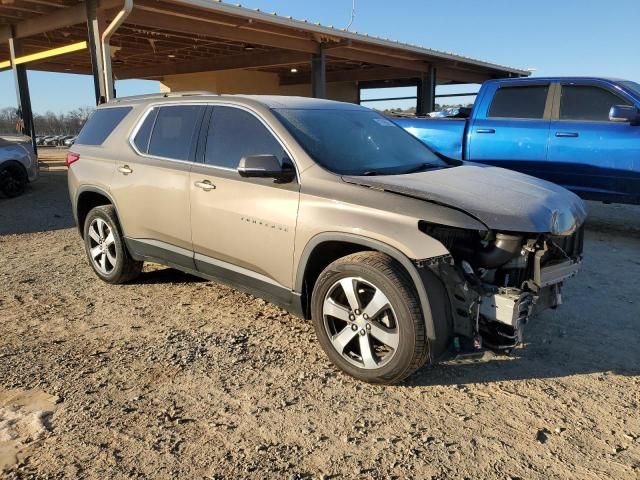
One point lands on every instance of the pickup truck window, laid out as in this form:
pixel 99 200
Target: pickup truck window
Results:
pixel 519 102
pixel 357 142
pixel 587 103
pixel 632 86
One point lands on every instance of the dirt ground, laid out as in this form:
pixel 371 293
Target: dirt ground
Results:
pixel 174 377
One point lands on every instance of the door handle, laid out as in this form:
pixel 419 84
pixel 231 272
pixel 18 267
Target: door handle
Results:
pixel 125 170
pixel 567 134
pixel 205 185
pixel 486 130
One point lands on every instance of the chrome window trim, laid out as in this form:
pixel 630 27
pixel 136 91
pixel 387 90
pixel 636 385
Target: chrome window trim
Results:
pixel 149 108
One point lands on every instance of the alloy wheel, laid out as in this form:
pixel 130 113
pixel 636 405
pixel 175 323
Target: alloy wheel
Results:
pixel 102 246
pixel 360 322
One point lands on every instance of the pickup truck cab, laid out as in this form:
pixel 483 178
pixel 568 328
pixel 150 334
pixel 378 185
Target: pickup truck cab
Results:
pixel 581 133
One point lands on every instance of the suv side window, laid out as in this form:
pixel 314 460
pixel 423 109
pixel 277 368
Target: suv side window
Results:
pixel 587 103
pixel 143 136
pixel 235 133
pixel 174 131
pixel 100 125
pixel 519 102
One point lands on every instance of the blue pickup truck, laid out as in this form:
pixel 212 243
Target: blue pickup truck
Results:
pixel 581 133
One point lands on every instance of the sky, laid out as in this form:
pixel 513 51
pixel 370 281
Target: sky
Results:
pixel 554 37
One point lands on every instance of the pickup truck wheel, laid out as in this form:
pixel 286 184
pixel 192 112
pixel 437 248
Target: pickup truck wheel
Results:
pixel 13 180
pixel 106 249
pixel 367 317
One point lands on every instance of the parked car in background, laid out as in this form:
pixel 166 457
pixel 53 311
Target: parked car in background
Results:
pixel 18 166
pixel 50 141
pixel 329 210
pixel 581 133
pixel 63 139
pixel 70 140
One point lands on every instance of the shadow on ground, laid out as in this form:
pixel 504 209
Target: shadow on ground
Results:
pixel 45 206
pixel 614 218
pixel 166 276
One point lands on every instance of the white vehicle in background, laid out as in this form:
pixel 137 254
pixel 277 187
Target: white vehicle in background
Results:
pixel 18 166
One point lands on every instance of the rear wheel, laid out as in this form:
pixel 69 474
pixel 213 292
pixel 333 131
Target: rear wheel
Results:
pixel 106 249
pixel 367 318
pixel 13 180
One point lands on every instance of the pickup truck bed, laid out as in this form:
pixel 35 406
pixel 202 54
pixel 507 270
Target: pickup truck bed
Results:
pixel 443 135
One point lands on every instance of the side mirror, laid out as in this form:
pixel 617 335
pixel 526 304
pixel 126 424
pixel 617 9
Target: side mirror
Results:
pixel 625 113
pixel 265 166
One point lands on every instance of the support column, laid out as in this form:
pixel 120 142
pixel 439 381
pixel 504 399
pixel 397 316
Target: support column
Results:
pixel 319 75
pixel 426 92
pixel 95 51
pixel 25 114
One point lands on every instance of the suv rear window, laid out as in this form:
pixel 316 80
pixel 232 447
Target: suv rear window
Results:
pixel 519 102
pixel 100 125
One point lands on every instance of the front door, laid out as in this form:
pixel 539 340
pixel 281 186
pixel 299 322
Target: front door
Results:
pixel 590 154
pixel 513 131
pixel 243 229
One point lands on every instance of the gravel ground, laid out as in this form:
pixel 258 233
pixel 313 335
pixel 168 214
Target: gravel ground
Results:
pixel 174 377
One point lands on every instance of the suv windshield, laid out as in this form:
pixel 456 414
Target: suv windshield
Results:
pixel 357 142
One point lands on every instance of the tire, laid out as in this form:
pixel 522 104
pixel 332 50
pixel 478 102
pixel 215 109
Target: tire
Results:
pixel 394 339
pixel 105 247
pixel 13 179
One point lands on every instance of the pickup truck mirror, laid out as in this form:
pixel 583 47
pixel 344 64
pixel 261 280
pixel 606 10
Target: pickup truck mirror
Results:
pixel 265 166
pixel 625 113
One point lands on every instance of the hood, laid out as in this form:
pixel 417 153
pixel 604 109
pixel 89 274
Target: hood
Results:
pixel 501 199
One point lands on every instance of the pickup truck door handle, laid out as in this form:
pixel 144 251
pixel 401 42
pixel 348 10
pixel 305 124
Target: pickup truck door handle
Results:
pixel 205 185
pixel 486 130
pixel 125 170
pixel 567 134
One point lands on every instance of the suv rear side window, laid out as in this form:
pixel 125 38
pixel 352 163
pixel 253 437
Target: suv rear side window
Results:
pixel 587 103
pixel 235 133
pixel 141 139
pixel 174 131
pixel 519 102
pixel 100 125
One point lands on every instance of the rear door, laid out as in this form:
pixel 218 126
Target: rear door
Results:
pixel 588 153
pixel 243 228
pixel 512 130
pixel 151 185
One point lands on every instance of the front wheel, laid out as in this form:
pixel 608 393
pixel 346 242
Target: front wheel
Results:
pixel 367 317
pixel 106 249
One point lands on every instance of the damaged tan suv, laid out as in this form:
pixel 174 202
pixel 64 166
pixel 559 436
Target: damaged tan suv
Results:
pixel 329 210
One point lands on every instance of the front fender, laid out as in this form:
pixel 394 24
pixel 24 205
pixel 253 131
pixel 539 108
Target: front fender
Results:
pixel 408 264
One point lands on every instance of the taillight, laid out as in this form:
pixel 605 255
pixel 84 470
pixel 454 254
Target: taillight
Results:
pixel 72 158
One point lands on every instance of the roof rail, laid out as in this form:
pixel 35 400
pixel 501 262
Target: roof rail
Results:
pixel 193 93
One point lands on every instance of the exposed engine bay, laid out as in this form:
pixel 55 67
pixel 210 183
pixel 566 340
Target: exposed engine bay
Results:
pixel 497 281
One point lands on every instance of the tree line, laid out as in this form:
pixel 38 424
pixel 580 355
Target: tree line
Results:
pixel 48 123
